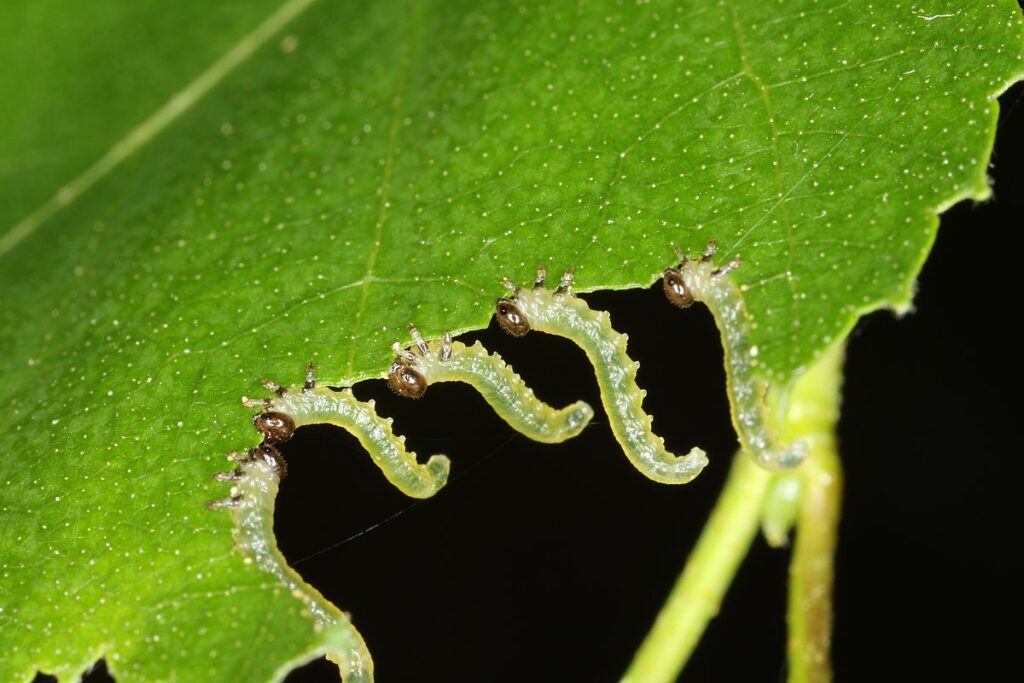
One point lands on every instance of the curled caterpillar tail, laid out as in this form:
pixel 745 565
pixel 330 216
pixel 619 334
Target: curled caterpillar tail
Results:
pixel 255 484
pixel 311 404
pixel 700 280
pixel 450 361
pixel 562 314
pixel 255 480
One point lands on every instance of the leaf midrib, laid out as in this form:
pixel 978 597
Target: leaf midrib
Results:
pixel 143 133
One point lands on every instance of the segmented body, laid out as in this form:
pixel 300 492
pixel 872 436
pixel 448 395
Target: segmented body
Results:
pixel 254 493
pixel 562 314
pixel 255 482
pixel 700 280
pixel 505 391
pixel 321 405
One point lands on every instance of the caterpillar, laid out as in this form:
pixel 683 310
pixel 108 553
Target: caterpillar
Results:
pixel 700 280
pixel 451 361
pixel 312 404
pixel 564 315
pixel 256 479
pixel 255 482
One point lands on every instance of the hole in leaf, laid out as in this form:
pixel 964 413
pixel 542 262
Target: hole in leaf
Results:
pixel 564 550
pixel 98 673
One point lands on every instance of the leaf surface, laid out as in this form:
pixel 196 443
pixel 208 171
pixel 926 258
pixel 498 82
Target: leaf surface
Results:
pixel 77 76
pixel 372 164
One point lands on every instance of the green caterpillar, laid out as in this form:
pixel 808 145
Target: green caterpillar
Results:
pixel 310 404
pixel 451 361
pixel 701 280
pixel 562 314
pixel 255 482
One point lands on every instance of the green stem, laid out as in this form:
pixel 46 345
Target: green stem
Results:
pixel 698 592
pixel 811 569
pixel 810 414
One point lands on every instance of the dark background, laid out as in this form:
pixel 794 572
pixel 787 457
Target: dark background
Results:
pixel 548 563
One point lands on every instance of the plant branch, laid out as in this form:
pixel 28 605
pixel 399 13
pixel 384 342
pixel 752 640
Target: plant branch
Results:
pixel 698 592
pixel 810 414
pixel 811 569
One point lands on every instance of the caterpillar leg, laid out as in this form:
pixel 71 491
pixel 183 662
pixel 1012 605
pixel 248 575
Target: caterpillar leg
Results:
pixel 255 480
pixel 700 280
pixel 308 404
pixel 451 361
pixel 559 313
pixel 254 491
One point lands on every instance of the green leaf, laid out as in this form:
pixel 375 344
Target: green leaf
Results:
pixel 372 164
pixel 77 76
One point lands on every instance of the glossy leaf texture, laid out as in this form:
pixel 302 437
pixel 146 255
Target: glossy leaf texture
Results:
pixel 77 76
pixel 375 164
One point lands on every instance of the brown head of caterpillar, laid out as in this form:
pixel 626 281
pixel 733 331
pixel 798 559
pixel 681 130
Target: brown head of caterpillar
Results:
pixel 275 427
pixel 674 282
pixel 675 288
pixel 510 318
pixel 403 378
pixel 271 456
pixel 265 453
pixel 405 381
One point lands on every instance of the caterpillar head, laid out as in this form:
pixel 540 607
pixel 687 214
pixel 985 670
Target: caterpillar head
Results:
pixel 676 289
pixel 404 380
pixel 275 427
pixel 511 318
pixel 272 457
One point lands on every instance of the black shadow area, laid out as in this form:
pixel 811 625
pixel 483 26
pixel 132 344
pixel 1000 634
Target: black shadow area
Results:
pixel 547 563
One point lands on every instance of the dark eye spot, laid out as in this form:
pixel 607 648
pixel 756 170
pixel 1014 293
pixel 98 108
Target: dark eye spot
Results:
pixel 511 318
pixel 675 288
pixel 275 427
pixel 405 381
